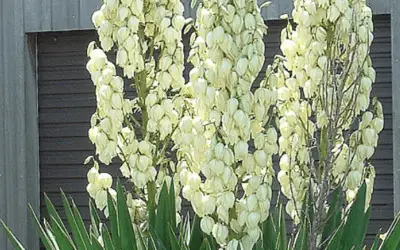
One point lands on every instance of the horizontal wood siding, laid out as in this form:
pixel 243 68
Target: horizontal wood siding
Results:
pixel 66 102
pixel 59 15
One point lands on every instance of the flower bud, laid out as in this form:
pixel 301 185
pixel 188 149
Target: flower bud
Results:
pixel 93 175
pixel 233 244
pixel 92 189
pixel 220 233
pixel 99 58
pixel 252 202
pixel 353 180
pixel 253 219
pixel 232 106
pixel 261 158
pixel 165 127
pixel 241 66
pixel 249 21
pixel 369 137
pixel 366 85
pixel 207 224
pixel 364 152
pixel 145 147
pixel 116 101
pixel 223 214
pixel 333 13
pixel 144 163
pixel 101 199
pixel 283 178
pixel 105 180
pixel 133 24
pixel 194 181
pixel 241 150
pixel 342 5
pixel 178 22
pixel 377 124
pixel 93 133
pixel 97 18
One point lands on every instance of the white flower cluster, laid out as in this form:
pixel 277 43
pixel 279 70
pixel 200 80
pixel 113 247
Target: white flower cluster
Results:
pixel 213 139
pixel 137 157
pixel 296 128
pixel 98 187
pixel 329 77
pixel 166 22
pixel 148 37
pixel 118 22
pixel 362 146
pixel 111 105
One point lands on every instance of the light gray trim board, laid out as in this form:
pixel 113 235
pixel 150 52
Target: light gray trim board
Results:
pixel 59 15
pixel 396 101
pixel 19 168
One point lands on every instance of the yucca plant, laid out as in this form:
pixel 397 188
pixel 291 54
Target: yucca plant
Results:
pixel 312 109
pixel 118 233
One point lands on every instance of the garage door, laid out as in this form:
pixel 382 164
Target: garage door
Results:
pixel 66 102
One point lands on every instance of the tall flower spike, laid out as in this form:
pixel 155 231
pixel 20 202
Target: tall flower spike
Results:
pixel 143 32
pixel 324 84
pixel 216 160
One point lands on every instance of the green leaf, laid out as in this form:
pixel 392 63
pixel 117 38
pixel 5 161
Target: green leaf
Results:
pixel 151 189
pixel 211 241
pixel 301 242
pixel 157 240
pixel 108 244
pixel 367 217
pixel 375 245
pixel 196 235
pixel 50 234
pixel 352 234
pixel 80 224
pixel 163 216
pixel 193 4
pixel 113 217
pixel 392 239
pixel 78 239
pixel 127 234
pixel 51 210
pixel 96 245
pixel 335 241
pixel 17 245
pixel 63 239
pixel 94 218
pixel 282 229
pixel 43 236
pixel 334 215
pixel 269 234
pixel 205 245
pixel 171 202
pixel 141 240
pixel 172 238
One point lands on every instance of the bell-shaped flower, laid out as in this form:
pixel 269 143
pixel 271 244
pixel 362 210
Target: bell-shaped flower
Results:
pixel 105 180
pixel 207 224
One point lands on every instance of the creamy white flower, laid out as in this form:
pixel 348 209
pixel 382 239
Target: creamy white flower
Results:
pixel 207 224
